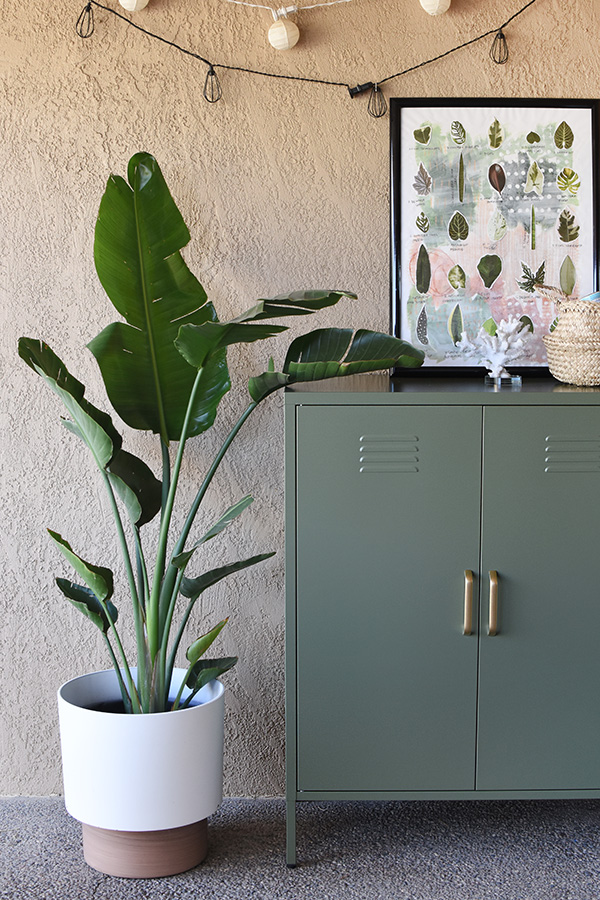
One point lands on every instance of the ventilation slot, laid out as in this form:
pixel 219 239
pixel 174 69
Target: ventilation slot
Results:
pixel 382 453
pixel 571 453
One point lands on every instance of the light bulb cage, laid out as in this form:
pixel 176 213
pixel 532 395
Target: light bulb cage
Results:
pixel 212 86
pixel 499 48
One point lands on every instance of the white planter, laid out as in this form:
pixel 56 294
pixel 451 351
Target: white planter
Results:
pixel 140 773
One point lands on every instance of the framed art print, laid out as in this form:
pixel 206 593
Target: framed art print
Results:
pixel 489 198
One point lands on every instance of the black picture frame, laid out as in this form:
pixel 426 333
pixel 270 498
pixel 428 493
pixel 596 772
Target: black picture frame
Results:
pixel 426 130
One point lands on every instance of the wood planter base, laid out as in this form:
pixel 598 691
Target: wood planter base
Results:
pixel 145 854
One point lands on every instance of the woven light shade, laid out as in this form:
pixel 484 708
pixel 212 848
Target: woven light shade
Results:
pixel 133 5
pixel 435 7
pixel 283 34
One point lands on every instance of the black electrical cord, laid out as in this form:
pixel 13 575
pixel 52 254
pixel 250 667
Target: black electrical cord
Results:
pixel 377 106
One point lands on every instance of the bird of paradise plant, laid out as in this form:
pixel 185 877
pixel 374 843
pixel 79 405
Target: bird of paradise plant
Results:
pixel 165 371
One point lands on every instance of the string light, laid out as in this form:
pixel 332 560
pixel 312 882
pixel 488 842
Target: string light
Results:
pixel 85 22
pixel 499 49
pixel 376 106
pixel 212 86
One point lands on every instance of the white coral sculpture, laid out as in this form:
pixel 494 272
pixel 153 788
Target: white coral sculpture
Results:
pixel 498 344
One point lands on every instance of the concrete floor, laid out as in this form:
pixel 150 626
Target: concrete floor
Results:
pixel 501 850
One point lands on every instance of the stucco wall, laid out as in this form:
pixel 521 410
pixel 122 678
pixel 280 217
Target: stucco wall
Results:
pixel 284 185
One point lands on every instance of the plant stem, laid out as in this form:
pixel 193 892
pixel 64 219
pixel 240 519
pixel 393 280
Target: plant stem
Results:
pixel 169 587
pixel 126 698
pixel 153 609
pixel 139 627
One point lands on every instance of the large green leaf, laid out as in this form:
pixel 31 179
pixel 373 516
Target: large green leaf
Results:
pixel 139 234
pixel 86 602
pixel 89 423
pixel 132 479
pixel 334 353
pixel 137 487
pixel 98 578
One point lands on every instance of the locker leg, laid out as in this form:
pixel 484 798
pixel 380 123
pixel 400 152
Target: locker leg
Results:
pixel 290 817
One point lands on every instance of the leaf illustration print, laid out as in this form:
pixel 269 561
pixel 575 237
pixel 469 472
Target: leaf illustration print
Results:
pixel 495 134
pixel 423 277
pixel 568 230
pixel 568 180
pixel 459 135
pixel 457 277
pixel 422 222
pixel 497 226
pixel 422 135
pixel 535 179
pixel 458 227
pixel 568 275
pixel 422 182
pixel 564 137
pixel 455 324
pixel 422 327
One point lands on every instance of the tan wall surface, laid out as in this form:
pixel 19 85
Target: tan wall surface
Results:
pixel 284 185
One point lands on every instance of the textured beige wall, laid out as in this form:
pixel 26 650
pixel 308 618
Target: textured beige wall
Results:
pixel 283 185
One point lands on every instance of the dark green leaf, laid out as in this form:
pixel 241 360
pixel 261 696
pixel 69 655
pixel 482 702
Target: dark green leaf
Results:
pixel 563 136
pixel 92 425
pixel 458 227
pixel 568 230
pixel 97 578
pixel 527 324
pixel 533 137
pixel 136 485
pixel 422 222
pixel 423 274
pixel 298 303
pixel 495 134
pixel 193 587
pixel 332 352
pixel 197 343
pixel 86 602
pixel 423 134
pixel 206 670
pixel 489 267
pixel 458 132
pixel 139 234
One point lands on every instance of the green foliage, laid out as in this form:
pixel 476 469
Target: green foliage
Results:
pixel 563 136
pixel 531 279
pixel 458 227
pixel 423 275
pixel 165 371
pixel 495 134
pixel 568 230
pixel 489 267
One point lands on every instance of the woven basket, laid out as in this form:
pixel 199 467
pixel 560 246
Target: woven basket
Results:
pixel 573 362
pixel 578 320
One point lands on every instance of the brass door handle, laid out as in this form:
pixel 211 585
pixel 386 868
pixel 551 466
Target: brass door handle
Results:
pixel 493 619
pixel 468 617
